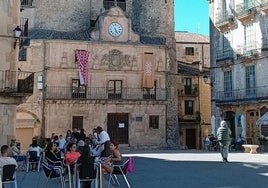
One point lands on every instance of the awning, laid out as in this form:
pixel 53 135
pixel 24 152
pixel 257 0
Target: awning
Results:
pixel 263 120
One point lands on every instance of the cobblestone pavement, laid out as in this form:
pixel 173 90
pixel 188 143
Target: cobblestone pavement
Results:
pixel 181 168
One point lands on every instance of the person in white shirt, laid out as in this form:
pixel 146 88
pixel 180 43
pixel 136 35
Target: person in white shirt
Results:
pixel 5 159
pixel 104 141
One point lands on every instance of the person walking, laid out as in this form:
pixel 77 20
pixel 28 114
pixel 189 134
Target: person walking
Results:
pixel 223 135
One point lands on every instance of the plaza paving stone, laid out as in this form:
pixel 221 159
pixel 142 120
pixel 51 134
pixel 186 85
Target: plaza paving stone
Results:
pixel 181 168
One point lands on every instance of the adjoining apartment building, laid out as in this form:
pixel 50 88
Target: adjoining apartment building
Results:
pixel 194 95
pixel 100 63
pixel 239 65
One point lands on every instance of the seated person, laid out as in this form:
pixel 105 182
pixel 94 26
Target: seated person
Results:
pixel 52 155
pixel 71 155
pixel 35 147
pixel 5 158
pixel 86 166
pixel 16 153
pixel 115 158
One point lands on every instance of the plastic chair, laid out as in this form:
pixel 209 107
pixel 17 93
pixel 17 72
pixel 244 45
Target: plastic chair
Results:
pixel 32 158
pixel 53 172
pixel 9 175
pixel 119 169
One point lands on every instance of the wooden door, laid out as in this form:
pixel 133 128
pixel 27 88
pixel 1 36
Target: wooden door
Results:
pixel 191 138
pixel 117 127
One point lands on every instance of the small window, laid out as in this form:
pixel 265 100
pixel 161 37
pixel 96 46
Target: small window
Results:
pixel 77 122
pixel 189 107
pixel 189 51
pixel 154 122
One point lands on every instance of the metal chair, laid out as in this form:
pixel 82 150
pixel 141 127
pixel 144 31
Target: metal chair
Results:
pixel 21 161
pixel 32 158
pixel 86 172
pixel 9 175
pixel 119 169
pixel 53 172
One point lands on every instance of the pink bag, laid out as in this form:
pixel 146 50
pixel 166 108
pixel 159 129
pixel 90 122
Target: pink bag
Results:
pixel 130 167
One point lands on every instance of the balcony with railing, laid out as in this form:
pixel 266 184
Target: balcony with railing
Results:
pixel 242 95
pixel 15 82
pixel 225 55
pixel 246 11
pixel 108 4
pixel 189 91
pixel 103 93
pixel 225 20
pixel 264 6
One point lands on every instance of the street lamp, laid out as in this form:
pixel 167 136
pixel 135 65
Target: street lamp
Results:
pixel 205 79
pixel 17 34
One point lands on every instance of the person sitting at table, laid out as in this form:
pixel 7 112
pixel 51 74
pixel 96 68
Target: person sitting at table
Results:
pixel 5 158
pixel 51 154
pixel 71 155
pixel 86 166
pixel 35 147
pixel 115 158
pixel 16 153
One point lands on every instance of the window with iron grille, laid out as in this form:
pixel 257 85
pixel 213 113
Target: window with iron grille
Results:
pixel 77 122
pixel 189 107
pixel 154 122
pixel 107 4
pixel 78 90
pixel 250 80
pixel 115 89
pixel 228 87
pixel 189 51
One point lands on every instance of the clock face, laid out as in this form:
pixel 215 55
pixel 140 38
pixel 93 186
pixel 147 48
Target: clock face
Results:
pixel 115 29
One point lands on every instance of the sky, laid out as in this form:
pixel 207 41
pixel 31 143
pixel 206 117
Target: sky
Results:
pixel 192 16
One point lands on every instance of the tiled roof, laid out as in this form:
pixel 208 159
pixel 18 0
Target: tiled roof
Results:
pixel 189 69
pixel 184 36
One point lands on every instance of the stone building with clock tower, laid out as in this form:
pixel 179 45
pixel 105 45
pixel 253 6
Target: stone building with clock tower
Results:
pixel 100 63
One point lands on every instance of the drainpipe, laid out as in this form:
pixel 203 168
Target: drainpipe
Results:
pixel 43 130
pixel 199 109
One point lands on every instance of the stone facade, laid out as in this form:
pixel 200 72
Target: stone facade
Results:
pixel 193 63
pixel 239 58
pixel 52 56
pixel 9 13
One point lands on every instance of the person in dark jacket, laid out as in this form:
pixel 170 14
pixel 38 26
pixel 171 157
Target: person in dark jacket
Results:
pixel 223 135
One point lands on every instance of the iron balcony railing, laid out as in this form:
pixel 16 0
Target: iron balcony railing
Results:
pixel 16 82
pixel 246 8
pixel 224 55
pixel 102 93
pixel 224 16
pixel 248 94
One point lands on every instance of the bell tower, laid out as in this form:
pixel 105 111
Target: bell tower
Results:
pixel 156 19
